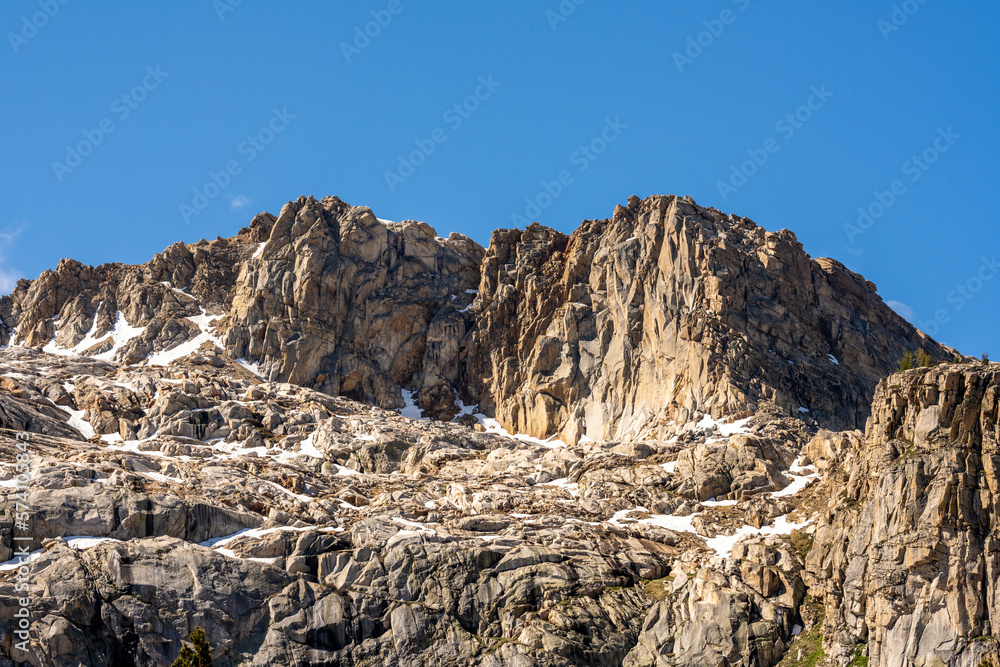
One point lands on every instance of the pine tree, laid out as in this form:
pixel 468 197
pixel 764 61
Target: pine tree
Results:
pixel 201 648
pixel 906 363
pixel 199 656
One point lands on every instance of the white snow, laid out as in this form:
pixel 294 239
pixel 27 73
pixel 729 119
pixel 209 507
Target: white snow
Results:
pixel 726 429
pixel 833 360
pixel 18 561
pixel 298 496
pixel 203 322
pixel 132 446
pixel 252 367
pixel 670 467
pixel 218 542
pixel 259 250
pixel 804 411
pixel 723 544
pixel 163 479
pixel 82 542
pixel 77 421
pixel 411 410
pixel 799 482
pixel 472 291
pixel 309 449
pixel 797 630
pixel 411 529
pixel 718 503
pixel 493 426
pixel 564 483
pixel 121 333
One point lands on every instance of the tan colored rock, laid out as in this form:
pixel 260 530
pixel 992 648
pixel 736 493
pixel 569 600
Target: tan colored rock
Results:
pixel 668 311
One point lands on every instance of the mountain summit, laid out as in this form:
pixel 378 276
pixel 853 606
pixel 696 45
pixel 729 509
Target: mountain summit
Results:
pixel 338 440
pixel 665 312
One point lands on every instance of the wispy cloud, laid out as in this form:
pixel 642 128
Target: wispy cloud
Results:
pixel 906 311
pixel 238 202
pixel 9 276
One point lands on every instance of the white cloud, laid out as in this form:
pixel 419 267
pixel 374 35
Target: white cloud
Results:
pixel 238 202
pixel 903 310
pixel 9 276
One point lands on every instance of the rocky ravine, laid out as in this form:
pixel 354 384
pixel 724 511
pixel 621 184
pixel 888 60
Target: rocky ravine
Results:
pixel 235 436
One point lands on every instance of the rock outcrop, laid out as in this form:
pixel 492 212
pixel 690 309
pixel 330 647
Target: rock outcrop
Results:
pixel 339 300
pixel 668 311
pixel 629 328
pixel 907 558
pixel 299 439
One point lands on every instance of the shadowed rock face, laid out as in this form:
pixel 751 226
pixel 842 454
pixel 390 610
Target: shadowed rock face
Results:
pixel 668 310
pixel 338 300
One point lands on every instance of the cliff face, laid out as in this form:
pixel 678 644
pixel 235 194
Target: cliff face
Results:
pixel 335 299
pixel 628 328
pixel 669 310
pixel 907 557
pixel 235 436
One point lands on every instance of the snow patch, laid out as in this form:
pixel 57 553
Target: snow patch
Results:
pixel 564 483
pixel 203 322
pixel 77 421
pixel 411 410
pixel 252 367
pixel 121 333
pixel 799 482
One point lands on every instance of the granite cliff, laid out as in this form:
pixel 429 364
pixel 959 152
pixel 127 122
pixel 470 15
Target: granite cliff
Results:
pixel 670 438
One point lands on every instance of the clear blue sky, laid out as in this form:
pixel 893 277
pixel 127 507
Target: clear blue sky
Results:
pixel 689 121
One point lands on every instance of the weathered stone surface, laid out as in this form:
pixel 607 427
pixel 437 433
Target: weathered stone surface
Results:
pixel 668 311
pixel 907 557
pixel 216 441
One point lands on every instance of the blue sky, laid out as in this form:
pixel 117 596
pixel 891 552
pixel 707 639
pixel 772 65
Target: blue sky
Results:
pixel 129 127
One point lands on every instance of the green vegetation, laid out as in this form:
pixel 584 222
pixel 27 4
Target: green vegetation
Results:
pixel 985 357
pixel 802 544
pixel 907 363
pixel 808 644
pixel 859 660
pixel 198 654
pixel 659 589
pixel 920 359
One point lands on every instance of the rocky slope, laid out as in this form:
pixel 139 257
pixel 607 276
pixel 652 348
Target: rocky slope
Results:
pixel 299 439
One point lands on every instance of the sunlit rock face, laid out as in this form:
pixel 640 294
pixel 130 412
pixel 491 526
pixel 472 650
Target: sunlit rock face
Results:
pixel 668 310
pixel 334 439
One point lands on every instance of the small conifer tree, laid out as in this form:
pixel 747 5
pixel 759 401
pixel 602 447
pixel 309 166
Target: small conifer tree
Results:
pixel 906 363
pixel 198 656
